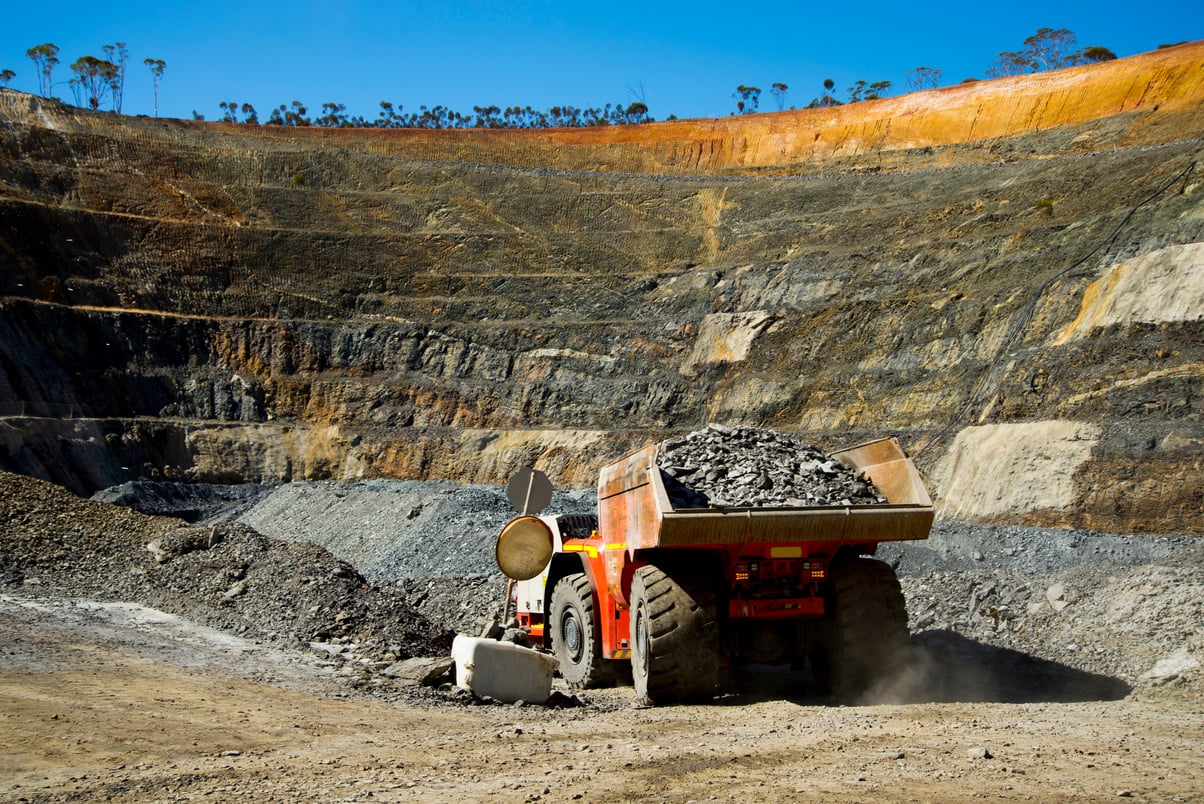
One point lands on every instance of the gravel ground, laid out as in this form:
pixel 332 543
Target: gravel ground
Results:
pixel 1032 674
pixel 120 704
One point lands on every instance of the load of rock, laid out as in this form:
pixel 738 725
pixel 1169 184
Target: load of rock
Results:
pixel 747 467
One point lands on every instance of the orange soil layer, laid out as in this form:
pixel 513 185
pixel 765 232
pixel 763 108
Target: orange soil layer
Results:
pixel 1163 82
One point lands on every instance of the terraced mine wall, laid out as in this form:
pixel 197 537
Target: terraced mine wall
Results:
pixel 1008 276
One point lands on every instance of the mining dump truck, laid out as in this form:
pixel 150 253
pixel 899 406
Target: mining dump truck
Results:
pixel 670 596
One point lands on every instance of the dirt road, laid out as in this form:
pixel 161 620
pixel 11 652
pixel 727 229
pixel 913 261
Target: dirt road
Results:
pixel 121 703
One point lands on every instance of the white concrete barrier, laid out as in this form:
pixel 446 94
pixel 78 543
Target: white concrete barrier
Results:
pixel 502 670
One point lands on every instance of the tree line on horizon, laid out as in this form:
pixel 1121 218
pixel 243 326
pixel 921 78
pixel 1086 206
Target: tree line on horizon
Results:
pixel 334 115
pixel 97 81
pixel 1047 49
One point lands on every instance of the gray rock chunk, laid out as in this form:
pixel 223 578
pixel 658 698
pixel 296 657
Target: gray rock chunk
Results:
pixel 181 541
pixel 428 671
pixel 1056 595
pixel 1170 667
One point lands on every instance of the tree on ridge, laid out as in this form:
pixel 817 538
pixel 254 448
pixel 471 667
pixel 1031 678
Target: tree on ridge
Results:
pixel 94 79
pixel 1047 49
pixel 157 66
pixel 118 55
pixel 44 57
pixel 923 78
pixel 747 98
pixel 778 90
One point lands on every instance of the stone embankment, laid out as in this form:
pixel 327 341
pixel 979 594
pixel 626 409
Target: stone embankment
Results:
pixel 224 575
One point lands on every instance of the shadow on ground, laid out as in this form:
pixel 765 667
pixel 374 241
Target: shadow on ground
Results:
pixel 944 667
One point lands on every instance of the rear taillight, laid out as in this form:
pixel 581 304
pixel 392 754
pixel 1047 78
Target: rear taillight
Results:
pixel 755 570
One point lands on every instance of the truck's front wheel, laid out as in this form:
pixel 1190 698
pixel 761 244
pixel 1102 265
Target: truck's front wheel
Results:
pixel 675 641
pixel 575 638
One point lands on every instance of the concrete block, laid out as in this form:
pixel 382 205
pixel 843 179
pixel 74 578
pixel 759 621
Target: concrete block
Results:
pixel 502 670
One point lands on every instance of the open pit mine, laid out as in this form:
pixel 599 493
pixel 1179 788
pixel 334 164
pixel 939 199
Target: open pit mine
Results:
pixel 1006 275
pixel 261 387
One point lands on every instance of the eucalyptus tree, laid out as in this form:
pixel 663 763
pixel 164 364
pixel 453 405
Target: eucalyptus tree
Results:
pixel 923 78
pixel 334 115
pixel 863 91
pixel 285 116
pixel 778 90
pixel 118 55
pixel 1047 49
pixel 157 66
pixel 1095 53
pixel 747 98
pixel 636 112
pixel 94 80
pixel 44 57
pixel 232 109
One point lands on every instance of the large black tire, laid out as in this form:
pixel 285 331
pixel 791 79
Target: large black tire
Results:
pixel 867 642
pixel 675 638
pixel 576 640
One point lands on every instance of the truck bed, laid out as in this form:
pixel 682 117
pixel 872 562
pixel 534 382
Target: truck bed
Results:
pixel 632 501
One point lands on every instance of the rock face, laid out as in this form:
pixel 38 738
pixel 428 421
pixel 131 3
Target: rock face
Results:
pixel 210 302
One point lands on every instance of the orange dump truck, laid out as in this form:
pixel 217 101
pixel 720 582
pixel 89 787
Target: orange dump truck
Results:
pixel 670 596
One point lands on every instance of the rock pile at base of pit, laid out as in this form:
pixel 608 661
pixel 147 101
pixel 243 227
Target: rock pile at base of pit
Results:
pixel 1127 621
pixel 225 575
pixel 746 467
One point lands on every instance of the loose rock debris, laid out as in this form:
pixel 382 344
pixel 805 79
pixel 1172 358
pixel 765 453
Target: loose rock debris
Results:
pixel 745 467
pixel 226 576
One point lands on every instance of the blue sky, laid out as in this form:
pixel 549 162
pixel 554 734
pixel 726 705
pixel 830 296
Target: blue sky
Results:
pixel 686 58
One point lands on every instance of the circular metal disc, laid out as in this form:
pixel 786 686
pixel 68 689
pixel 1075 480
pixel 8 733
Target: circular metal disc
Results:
pixel 524 547
pixel 529 491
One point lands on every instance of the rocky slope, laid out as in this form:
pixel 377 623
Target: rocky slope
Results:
pixel 226 576
pixel 1007 275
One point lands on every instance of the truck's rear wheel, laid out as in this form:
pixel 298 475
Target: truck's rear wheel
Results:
pixel 675 640
pixel 576 641
pixel 867 642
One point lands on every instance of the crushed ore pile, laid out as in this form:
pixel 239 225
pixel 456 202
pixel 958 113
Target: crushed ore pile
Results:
pixel 225 575
pixel 1141 624
pixel 746 467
